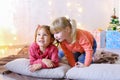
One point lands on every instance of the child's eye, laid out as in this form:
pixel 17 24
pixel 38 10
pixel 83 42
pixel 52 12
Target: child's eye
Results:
pixel 42 34
pixel 56 32
pixel 38 34
pixel 45 35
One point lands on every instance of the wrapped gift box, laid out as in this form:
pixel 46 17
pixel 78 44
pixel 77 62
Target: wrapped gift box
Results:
pixel 112 39
pixel 100 37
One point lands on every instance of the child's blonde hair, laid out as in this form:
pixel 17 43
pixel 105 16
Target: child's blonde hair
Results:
pixel 61 23
pixel 47 29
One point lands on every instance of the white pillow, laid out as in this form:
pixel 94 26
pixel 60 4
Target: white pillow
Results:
pixel 21 66
pixel 95 72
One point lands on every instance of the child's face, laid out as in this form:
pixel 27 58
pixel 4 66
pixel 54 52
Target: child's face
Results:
pixel 61 35
pixel 43 39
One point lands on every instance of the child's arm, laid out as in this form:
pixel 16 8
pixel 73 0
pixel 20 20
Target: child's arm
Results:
pixel 89 52
pixel 35 67
pixel 48 63
pixel 54 57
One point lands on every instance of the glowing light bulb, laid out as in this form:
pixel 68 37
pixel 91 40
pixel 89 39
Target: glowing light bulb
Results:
pixel 51 18
pixel 68 4
pixel 10 44
pixel 13 31
pixel 80 9
pixel 50 3
pixel 15 38
pixel 3 51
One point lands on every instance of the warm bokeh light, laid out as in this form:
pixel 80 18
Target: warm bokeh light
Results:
pixel 69 4
pixel 50 3
pixel 4 52
pixel 18 18
pixel 7 29
pixel 80 10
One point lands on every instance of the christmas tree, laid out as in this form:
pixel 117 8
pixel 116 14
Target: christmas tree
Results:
pixel 114 22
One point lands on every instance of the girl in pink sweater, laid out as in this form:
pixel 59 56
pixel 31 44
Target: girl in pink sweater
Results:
pixel 78 45
pixel 42 53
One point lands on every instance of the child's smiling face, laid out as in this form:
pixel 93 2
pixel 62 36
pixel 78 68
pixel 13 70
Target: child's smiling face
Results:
pixel 43 38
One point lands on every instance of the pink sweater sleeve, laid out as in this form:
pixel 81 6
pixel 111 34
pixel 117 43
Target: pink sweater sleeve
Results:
pixel 54 56
pixel 34 57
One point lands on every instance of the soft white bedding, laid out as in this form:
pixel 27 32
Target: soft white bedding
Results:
pixel 21 66
pixel 95 72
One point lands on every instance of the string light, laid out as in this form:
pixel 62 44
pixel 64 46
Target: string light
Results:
pixel 49 3
pixel 14 38
pixel 80 9
pixel 68 4
pixel 13 31
pixel 10 44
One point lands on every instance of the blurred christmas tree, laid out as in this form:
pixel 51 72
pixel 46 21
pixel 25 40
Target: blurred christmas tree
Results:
pixel 114 22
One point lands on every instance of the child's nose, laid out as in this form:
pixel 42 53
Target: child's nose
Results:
pixel 41 37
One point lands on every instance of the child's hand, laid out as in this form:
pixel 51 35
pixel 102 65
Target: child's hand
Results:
pixel 35 67
pixel 48 62
pixel 79 65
